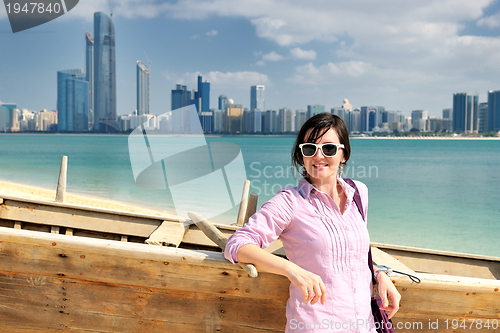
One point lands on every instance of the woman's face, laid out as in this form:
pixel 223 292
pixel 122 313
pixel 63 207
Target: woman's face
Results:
pixel 321 168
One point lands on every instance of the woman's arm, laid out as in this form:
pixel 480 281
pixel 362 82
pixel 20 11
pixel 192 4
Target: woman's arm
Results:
pixel 386 289
pixel 312 287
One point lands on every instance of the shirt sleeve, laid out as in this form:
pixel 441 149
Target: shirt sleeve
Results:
pixel 363 193
pixel 265 226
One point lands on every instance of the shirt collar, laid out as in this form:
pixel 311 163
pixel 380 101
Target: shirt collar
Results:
pixel 305 188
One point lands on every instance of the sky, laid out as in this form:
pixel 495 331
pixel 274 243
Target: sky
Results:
pixel 401 54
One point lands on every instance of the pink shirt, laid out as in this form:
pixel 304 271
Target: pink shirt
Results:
pixel 318 238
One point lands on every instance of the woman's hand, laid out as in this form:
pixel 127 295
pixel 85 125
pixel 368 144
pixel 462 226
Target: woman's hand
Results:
pixel 386 290
pixel 312 286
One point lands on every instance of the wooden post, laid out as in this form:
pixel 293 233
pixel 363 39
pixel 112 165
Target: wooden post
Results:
pixel 243 204
pixel 252 206
pixel 61 184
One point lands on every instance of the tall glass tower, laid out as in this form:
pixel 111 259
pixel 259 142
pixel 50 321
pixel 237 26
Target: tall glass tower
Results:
pixel 493 117
pixel 257 98
pixel 142 88
pixel 89 71
pixel 465 112
pixel 72 101
pixel 104 74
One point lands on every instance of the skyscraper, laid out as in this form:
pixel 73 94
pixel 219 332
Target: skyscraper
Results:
pixel 465 112
pixel 89 68
pixel 104 74
pixel 142 89
pixel 180 97
pixel 222 102
pixel 493 122
pixel 257 98
pixel 314 110
pixel 72 101
pixel 202 102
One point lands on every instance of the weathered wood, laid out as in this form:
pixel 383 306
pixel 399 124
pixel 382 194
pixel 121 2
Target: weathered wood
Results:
pixel 132 264
pixel 168 234
pixel 78 218
pixel 382 258
pixel 242 212
pixel 218 238
pixel 18 225
pixel 52 304
pixel 1 201
pixel 54 229
pixel 124 238
pixel 443 262
pixel 252 206
pixel 61 184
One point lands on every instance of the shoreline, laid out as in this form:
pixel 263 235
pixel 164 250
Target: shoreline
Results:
pixel 39 193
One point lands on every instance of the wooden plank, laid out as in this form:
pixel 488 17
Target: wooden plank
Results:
pixel 18 225
pixel 78 219
pixel 124 238
pixel 91 209
pixel 448 265
pixel 382 258
pixel 168 234
pixel 30 252
pixel 51 304
pixel 54 229
pixel 69 232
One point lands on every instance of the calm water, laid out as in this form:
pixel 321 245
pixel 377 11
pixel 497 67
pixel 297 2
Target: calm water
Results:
pixel 439 194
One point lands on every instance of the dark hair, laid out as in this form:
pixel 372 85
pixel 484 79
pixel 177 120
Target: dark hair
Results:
pixel 320 124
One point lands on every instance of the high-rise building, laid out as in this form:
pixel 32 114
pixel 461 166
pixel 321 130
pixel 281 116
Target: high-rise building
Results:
pixel 222 102
pixel 72 101
pixel 286 120
pixel 104 74
pixel 483 117
pixel 89 71
pixel 7 117
pixel 300 119
pixel 314 110
pixel 234 114
pixel 465 112
pixel 181 97
pixel 257 98
pixel 142 88
pixel 202 102
pixel 419 120
pixel 493 123
pixel 270 121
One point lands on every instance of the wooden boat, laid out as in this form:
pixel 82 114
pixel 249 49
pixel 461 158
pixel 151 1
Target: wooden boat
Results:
pixel 71 268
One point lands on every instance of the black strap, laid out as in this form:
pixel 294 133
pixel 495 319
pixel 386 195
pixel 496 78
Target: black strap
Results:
pixel 357 200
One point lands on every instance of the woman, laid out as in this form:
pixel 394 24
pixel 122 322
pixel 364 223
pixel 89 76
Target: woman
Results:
pixel 324 236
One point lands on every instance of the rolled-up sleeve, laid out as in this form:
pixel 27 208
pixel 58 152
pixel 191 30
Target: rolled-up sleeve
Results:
pixel 265 226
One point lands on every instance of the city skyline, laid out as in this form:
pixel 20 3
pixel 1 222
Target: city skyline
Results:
pixel 411 62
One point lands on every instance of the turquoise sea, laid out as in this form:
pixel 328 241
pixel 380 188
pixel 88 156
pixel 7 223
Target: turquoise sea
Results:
pixel 437 194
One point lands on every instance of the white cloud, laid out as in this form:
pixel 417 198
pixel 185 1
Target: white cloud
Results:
pixel 492 21
pixel 330 72
pixel 298 53
pixel 243 79
pixel 212 33
pixel 272 56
